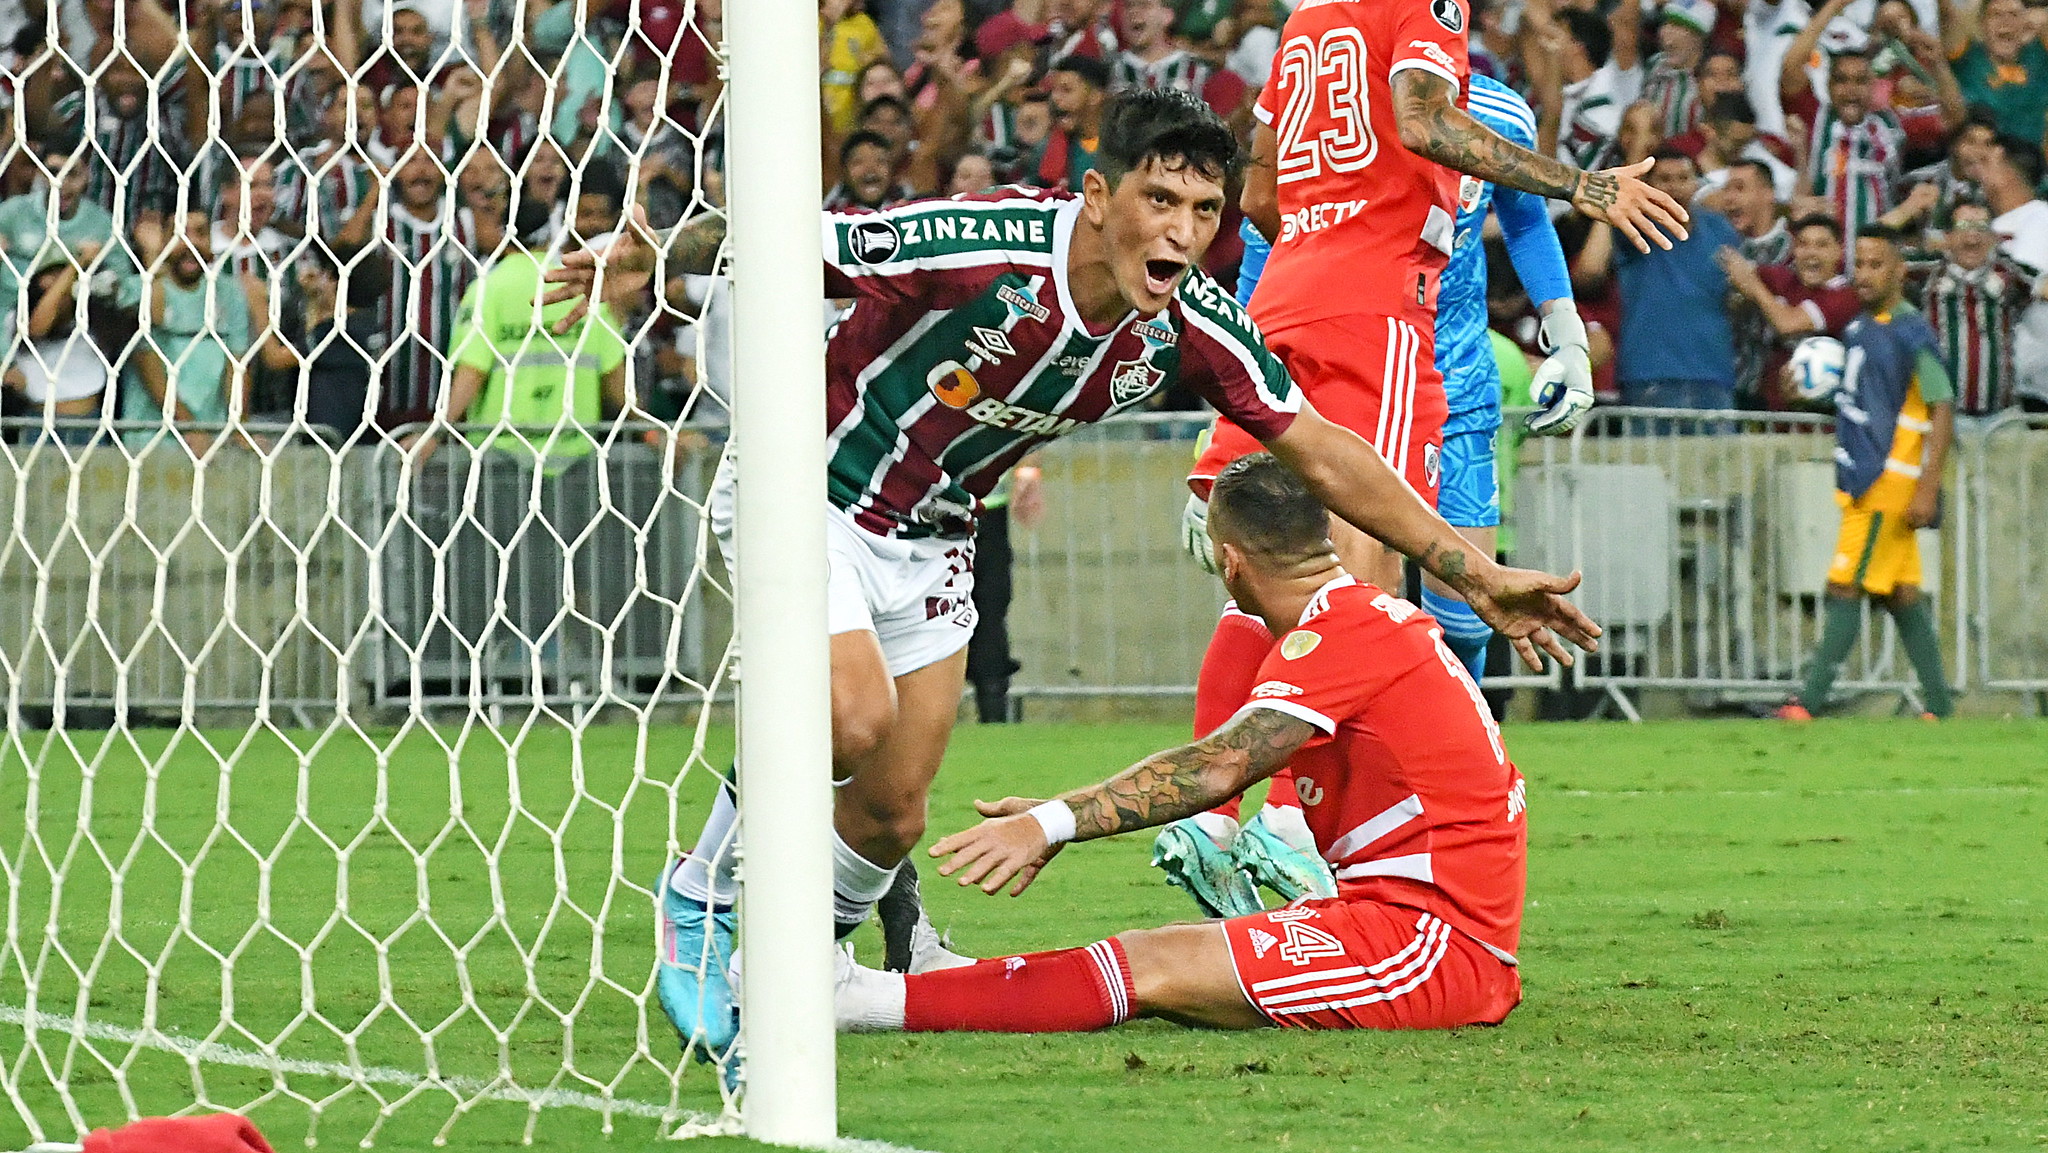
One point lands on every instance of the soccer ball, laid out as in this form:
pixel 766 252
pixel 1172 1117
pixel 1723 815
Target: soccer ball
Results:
pixel 1816 368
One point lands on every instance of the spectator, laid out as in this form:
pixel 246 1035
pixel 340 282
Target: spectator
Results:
pixel 483 194
pixel 1079 86
pixel 1029 127
pixel 1857 152
pixel 971 173
pixel 864 166
pixel 1020 496
pixel 2009 174
pixel 188 367
pixel 1973 298
pixel 1966 148
pixel 128 155
pixel 1677 350
pixel 1150 59
pixel 850 42
pixel 942 56
pixel 327 183
pixel 1584 76
pixel 1259 40
pixel 1670 80
pixel 888 119
pixel 406 57
pixel 1778 305
pixel 2004 67
pixel 1728 134
pixel 249 246
pixel 1081 28
pixel 339 339
pixel 1911 76
pixel 54 364
pixel 1492 48
pixel 426 242
pixel 540 199
pixel 1748 198
pixel 25 224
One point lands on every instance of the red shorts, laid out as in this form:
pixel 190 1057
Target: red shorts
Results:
pixel 1375 375
pixel 1343 963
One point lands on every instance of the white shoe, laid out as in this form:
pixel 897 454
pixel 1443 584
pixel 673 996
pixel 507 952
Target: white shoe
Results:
pixel 928 951
pixel 865 1000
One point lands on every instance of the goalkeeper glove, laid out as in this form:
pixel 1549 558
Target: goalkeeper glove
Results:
pixel 1194 533
pixel 1563 387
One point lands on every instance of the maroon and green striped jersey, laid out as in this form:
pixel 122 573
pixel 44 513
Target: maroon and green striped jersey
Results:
pixel 1973 311
pixel 963 352
pixel 1855 167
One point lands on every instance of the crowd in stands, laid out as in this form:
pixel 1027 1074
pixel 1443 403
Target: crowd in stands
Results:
pixel 214 210
pixel 227 210
pixel 1787 127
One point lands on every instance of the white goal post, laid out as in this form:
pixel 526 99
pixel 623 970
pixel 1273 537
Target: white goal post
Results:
pixel 784 720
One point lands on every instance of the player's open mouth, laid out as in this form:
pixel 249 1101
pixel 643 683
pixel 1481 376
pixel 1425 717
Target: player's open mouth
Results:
pixel 1160 275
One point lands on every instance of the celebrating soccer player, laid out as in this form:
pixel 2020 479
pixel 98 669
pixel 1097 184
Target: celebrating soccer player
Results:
pixel 1412 797
pixel 983 327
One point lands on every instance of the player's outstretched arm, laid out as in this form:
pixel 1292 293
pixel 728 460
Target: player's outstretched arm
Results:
pixel 1355 482
pixel 1433 126
pixel 1563 385
pixel 1019 835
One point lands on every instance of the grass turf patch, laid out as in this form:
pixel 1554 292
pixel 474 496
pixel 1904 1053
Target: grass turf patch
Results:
pixel 1739 936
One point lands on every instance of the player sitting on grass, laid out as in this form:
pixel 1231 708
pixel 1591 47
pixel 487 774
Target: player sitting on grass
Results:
pixel 1409 793
pixel 1896 417
pixel 985 326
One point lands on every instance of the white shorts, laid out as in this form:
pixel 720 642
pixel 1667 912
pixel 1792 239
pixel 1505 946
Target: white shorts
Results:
pixel 916 596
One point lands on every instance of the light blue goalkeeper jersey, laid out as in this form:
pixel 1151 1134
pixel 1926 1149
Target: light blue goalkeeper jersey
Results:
pixel 1464 352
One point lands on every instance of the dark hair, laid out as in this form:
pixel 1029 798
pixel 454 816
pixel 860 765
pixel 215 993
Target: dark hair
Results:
pixel 1168 125
pixel 1818 220
pixel 1266 506
pixel 1970 200
pixel 1763 172
pixel 1862 54
pixel 601 180
pixel 879 103
pixel 1975 116
pixel 1896 237
pixel 369 274
pixel 1088 68
pixel 1667 152
pixel 2024 155
pixel 857 140
pixel 1591 32
pixel 1732 107
pixel 59 142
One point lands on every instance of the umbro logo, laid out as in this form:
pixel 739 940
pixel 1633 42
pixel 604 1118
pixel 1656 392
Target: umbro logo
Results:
pixel 990 344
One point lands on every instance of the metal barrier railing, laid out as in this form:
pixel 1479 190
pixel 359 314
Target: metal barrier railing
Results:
pixel 2007 500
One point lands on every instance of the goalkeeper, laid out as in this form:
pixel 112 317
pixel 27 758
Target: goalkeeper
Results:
pixel 1208 854
pixel 1420 809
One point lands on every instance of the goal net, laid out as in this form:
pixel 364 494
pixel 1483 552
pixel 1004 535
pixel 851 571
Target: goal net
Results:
pixel 366 652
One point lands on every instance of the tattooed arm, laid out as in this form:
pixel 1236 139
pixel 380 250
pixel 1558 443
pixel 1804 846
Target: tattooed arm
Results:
pixel 1433 126
pixel 1013 841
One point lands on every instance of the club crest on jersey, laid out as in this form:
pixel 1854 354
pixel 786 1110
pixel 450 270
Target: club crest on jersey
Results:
pixel 1448 14
pixel 1469 188
pixel 990 344
pixel 1432 463
pixel 952 384
pixel 1131 380
pixel 874 241
pixel 1300 643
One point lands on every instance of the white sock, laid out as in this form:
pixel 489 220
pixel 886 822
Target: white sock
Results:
pixel 857 883
pixel 1221 829
pixel 868 1000
pixel 707 873
pixel 1287 823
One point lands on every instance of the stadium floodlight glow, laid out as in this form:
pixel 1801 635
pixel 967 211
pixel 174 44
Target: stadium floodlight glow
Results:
pixel 784 695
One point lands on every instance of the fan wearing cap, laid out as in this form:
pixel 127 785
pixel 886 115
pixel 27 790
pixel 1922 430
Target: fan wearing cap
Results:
pixel 1670 77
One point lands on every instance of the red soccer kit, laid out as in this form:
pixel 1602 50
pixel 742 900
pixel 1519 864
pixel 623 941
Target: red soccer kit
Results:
pixel 1348 297
pixel 1415 804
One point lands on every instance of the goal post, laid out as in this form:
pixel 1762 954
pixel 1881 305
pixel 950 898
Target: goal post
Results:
pixel 784 694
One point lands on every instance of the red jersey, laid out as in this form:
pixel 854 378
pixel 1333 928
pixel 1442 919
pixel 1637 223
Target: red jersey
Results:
pixel 1366 225
pixel 1406 786
pixel 1831 307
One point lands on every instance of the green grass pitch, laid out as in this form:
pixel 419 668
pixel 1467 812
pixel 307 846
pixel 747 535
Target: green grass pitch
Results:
pixel 1740 936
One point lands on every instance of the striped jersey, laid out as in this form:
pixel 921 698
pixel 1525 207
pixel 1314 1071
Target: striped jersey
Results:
pixel 1591 116
pixel 1973 311
pixel 963 351
pixel 126 154
pixel 1856 166
pixel 324 186
pixel 1180 69
pixel 430 271
pixel 1675 93
pixel 1773 247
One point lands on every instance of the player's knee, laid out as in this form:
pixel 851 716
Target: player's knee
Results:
pixel 1842 592
pixel 860 724
pixel 1903 597
pixel 891 818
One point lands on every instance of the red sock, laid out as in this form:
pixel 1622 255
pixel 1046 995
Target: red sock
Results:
pixel 1066 991
pixel 1229 668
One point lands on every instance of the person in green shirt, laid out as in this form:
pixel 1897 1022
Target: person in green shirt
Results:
pixel 198 332
pixel 25 227
pixel 2004 69
pixel 539 387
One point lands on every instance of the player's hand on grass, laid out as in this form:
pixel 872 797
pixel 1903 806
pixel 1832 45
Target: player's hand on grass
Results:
pixel 1563 385
pixel 625 266
pixel 1644 214
pixel 1529 608
pixel 1008 844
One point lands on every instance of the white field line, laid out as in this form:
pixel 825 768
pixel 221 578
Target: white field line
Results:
pixel 1903 791
pixel 214 1053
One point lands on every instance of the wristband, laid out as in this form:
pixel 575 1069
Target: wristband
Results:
pixel 1057 819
